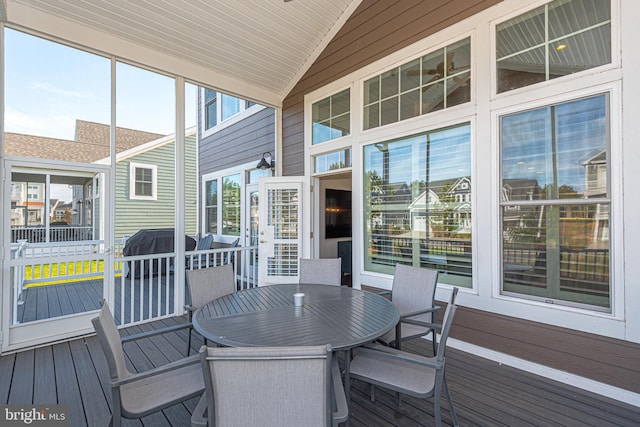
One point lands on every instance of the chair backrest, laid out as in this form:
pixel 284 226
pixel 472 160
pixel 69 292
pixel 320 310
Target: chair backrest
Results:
pixel 205 242
pixel 207 284
pixel 109 339
pixel 323 271
pixel 273 386
pixel 413 288
pixel 447 321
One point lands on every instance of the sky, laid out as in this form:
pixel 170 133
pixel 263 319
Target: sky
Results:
pixel 49 86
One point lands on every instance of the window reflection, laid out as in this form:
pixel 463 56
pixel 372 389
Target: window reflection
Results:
pixel 418 203
pixel 551 249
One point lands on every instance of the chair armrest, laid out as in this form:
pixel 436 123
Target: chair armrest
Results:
pixel 415 313
pixel 155 332
pixel 187 361
pixel 429 325
pixel 197 417
pixel 388 352
pixel 341 413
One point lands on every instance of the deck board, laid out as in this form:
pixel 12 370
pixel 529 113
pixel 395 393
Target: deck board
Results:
pixel 44 375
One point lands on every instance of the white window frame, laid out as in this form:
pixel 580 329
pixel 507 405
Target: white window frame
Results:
pixel 132 181
pixel 244 184
pixel 222 124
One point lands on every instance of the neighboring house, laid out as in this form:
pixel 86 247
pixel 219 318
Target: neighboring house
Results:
pixel 145 175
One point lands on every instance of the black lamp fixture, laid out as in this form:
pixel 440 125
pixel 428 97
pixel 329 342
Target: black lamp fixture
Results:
pixel 264 164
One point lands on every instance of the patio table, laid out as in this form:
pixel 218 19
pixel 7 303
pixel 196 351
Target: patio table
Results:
pixel 266 316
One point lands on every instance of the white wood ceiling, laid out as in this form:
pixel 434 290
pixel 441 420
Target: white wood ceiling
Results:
pixel 257 49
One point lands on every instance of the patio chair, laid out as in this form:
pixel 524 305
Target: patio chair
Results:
pixel 135 395
pixel 230 257
pixel 409 373
pixel 323 271
pixel 270 386
pixel 413 292
pixel 207 284
pixel 204 244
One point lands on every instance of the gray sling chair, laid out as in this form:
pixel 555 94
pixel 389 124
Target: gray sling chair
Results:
pixel 270 386
pixel 207 284
pixel 135 395
pixel 323 271
pixel 413 292
pixel 197 261
pixel 409 373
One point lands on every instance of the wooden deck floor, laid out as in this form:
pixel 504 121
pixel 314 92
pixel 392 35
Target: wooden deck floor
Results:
pixel 485 393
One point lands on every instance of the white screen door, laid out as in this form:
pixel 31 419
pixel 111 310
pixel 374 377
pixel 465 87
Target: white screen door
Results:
pixel 56 257
pixel 283 229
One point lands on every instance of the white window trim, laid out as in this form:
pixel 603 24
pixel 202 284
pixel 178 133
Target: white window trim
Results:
pixel 222 124
pixel 219 175
pixel 132 181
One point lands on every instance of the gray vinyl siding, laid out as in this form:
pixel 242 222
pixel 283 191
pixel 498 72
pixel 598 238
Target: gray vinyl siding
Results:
pixel 240 143
pixel 134 215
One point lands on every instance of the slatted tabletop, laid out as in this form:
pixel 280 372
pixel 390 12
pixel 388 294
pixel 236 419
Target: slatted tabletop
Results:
pixel 266 316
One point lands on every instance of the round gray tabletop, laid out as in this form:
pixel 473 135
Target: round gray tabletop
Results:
pixel 266 316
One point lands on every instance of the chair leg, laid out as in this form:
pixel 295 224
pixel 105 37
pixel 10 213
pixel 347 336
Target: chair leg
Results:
pixel 434 343
pixel 373 393
pixel 452 410
pixel 189 342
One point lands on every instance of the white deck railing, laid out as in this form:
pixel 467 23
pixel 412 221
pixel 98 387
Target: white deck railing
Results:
pixel 144 284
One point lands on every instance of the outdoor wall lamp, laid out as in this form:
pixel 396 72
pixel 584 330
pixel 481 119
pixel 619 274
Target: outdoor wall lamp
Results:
pixel 264 163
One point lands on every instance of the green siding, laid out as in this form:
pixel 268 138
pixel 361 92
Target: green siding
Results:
pixel 134 215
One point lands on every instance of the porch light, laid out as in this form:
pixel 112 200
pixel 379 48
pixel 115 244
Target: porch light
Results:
pixel 264 163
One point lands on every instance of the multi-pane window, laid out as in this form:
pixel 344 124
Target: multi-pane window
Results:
pixel 433 82
pixel 219 107
pixel 555 202
pixel 211 206
pixel 417 203
pixel 331 117
pixel 231 205
pixel 143 181
pixel 562 37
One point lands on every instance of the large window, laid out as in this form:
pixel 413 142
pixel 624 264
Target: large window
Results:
pixel 559 38
pixel 555 202
pixel 417 203
pixel 433 82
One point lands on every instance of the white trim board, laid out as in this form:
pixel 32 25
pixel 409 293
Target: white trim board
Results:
pixel 564 377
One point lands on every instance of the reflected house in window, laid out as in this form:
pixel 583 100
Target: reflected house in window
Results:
pixel 448 204
pixel 596 186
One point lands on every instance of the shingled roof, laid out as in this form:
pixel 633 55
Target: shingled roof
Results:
pixel 91 143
